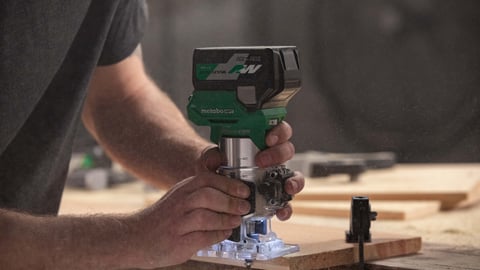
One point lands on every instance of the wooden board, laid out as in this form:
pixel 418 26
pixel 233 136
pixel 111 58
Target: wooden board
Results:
pixel 387 210
pixel 119 199
pixel 452 185
pixel 320 247
pixel 130 197
pixel 434 257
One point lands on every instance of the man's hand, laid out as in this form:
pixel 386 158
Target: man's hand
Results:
pixel 197 212
pixel 279 150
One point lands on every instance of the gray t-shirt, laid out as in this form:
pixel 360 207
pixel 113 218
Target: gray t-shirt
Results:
pixel 48 51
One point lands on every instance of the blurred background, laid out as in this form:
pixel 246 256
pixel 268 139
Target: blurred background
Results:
pixel 400 76
pixel 378 75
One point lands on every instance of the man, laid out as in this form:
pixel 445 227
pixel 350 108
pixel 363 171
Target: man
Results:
pixel 49 54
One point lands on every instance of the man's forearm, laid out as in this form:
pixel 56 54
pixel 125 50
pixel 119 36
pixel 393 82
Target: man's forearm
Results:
pixel 97 242
pixel 145 132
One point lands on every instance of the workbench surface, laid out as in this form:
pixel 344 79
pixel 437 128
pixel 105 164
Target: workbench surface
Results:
pixel 455 232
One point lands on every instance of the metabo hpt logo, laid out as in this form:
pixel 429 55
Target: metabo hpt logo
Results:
pixel 227 71
pixel 217 111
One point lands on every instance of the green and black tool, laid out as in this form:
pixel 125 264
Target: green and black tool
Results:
pixel 242 93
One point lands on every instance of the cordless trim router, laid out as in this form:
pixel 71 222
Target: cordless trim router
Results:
pixel 242 93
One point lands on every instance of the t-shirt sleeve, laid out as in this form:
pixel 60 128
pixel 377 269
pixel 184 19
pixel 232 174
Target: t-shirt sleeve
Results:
pixel 126 31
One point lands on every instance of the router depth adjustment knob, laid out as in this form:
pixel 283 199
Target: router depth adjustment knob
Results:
pixel 273 186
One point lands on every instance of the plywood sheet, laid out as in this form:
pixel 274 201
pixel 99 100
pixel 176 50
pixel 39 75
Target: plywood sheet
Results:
pixel 387 210
pixel 320 247
pixel 452 185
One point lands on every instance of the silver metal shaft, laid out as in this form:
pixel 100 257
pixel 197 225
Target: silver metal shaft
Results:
pixel 239 152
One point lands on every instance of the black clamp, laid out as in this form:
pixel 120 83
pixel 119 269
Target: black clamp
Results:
pixel 360 220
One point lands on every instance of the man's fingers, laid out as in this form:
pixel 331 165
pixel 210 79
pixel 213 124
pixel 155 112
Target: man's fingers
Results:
pixel 232 187
pixel 206 220
pixel 284 213
pixel 279 134
pixel 280 149
pixel 275 155
pixel 210 159
pixel 295 184
pixel 215 200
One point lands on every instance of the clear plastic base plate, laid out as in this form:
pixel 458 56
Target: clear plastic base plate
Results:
pixel 265 250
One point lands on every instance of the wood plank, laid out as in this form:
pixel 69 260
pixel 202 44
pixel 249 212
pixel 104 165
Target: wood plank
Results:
pixel 118 199
pixel 433 257
pixel 452 185
pixel 320 247
pixel 387 210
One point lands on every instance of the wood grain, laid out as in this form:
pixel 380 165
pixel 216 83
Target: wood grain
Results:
pixel 440 179
pixel 320 247
pixel 452 185
pixel 387 210
pixel 434 257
